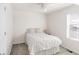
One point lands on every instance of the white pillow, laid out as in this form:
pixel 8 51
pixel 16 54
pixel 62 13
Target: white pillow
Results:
pixel 34 30
pixel 38 30
pixel 31 30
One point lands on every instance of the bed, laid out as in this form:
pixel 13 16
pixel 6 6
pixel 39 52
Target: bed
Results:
pixel 40 43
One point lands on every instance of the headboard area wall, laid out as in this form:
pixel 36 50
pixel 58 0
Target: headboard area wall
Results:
pixel 24 20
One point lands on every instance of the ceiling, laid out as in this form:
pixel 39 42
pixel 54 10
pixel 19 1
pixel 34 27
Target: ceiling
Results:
pixel 53 6
pixel 39 7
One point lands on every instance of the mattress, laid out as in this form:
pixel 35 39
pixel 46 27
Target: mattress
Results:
pixel 41 41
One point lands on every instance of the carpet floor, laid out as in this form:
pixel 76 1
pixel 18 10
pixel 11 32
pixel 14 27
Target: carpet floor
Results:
pixel 22 49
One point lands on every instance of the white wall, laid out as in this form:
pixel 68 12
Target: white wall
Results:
pixel 57 25
pixel 24 20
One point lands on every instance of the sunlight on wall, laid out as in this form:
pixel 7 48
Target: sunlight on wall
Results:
pixel 68 23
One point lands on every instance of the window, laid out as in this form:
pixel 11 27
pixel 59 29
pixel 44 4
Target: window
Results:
pixel 73 26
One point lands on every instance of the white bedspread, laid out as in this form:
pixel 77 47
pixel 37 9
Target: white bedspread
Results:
pixel 42 41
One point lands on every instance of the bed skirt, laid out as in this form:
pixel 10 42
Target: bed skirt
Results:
pixel 51 51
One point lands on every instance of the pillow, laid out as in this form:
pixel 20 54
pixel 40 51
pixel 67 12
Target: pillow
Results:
pixel 34 30
pixel 31 30
pixel 38 30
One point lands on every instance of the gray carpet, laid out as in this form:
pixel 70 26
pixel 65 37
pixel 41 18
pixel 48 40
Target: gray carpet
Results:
pixel 22 49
